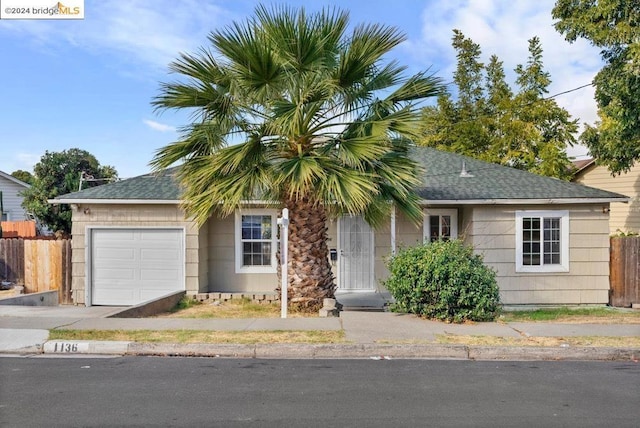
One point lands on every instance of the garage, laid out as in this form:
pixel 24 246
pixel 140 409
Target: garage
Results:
pixel 131 266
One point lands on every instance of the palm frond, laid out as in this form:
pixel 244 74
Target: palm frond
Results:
pixel 418 87
pixel 367 45
pixel 289 105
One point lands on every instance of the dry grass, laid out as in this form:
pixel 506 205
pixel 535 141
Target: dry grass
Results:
pixel 575 316
pixel 240 308
pixel 199 336
pixel 551 342
pixel 595 341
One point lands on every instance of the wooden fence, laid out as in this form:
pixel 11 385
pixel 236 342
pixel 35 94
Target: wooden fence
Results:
pixel 38 265
pixel 624 271
pixel 18 229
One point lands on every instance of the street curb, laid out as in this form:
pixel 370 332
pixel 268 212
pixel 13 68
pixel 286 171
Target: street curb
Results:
pixel 358 351
pixel 85 347
pixel 525 353
pixel 336 351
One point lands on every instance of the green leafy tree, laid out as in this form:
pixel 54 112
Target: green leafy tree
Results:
pixel 611 25
pixel 488 121
pixel 293 108
pixel 59 173
pixel 24 176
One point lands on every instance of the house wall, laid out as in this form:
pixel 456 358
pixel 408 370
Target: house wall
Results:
pixel 11 200
pixel 222 275
pixel 408 235
pixel 210 250
pixel 136 216
pixel 492 234
pixel 491 230
pixel 623 217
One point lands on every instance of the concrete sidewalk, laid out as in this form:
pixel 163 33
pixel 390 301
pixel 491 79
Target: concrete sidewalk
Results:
pixel 369 334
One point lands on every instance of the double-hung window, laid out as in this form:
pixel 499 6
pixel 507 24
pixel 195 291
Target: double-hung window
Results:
pixel 542 241
pixel 440 224
pixel 256 241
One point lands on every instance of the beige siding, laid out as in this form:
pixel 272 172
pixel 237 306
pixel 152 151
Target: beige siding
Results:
pixel 623 217
pixel 382 251
pixel 134 216
pixel 492 232
pixel 407 235
pixel 222 263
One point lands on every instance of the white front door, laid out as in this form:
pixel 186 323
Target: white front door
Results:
pixel 356 254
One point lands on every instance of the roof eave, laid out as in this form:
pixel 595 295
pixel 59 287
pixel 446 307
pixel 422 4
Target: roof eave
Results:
pixel 142 201
pixel 552 201
pixel 117 201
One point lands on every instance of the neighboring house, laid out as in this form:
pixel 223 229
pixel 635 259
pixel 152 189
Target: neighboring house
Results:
pixel 547 239
pixel 623 217
pixel 11 188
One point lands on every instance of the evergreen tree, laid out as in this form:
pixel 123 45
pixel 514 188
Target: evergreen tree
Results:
pixel 489 122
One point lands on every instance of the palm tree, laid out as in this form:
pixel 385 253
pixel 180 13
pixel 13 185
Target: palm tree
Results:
pixel 287 108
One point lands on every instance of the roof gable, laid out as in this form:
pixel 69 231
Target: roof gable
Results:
pixel 13 179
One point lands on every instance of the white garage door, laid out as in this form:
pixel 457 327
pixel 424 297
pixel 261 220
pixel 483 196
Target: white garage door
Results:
pixel 131 266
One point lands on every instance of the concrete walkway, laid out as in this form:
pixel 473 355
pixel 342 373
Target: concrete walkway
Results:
pixel 24 330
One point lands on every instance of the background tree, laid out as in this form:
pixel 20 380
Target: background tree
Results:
pixel 24 176
pixel 612 25
pixel 458 126
pixel 56 174
pixel 320 121
pixel 488 121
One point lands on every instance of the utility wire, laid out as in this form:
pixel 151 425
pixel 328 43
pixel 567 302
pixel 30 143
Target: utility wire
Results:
pixel 516 107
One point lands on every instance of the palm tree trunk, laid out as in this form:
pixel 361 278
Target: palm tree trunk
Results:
pixel 310 276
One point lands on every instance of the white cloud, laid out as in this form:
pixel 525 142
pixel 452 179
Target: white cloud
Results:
pixel 150 34
pixel 156 126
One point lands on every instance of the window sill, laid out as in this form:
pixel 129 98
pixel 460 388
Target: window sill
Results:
pixel 256 269
pixel 541 269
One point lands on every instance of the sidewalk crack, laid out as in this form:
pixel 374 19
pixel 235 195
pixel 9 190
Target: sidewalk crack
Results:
pixel 61 326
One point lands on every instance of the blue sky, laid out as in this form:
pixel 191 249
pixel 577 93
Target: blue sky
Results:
pixel 89 83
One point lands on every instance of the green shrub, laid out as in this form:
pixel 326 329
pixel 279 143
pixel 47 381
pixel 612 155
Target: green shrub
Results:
pixel 443 280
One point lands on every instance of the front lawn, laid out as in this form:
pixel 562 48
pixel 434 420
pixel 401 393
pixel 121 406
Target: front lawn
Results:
pixel 201 336
pixel 235 308
pixel 601 315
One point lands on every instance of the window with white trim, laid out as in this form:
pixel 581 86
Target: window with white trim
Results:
pixel 256 241
pixel 440 224
pixel 542 241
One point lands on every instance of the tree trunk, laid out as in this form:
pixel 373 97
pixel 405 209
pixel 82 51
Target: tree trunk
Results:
pixel 310 276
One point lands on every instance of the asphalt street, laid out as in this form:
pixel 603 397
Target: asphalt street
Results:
pixel 149 391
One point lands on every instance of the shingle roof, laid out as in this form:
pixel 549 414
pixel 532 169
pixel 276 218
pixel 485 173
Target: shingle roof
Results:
pixel 581 164
pixel 160 186
pixel 442 181
pixel 487 181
